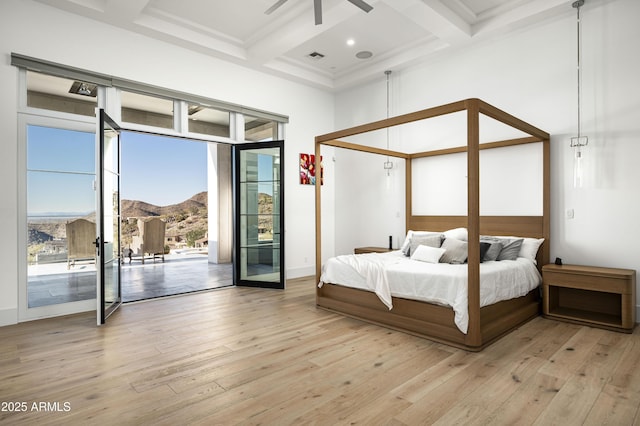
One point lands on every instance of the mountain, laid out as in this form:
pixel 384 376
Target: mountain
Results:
pixel 135 208
pixel 37 236
pixel 182 218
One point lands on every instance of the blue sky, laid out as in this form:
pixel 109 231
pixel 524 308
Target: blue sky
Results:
pixel 155 169
pixel 162 170
pixel 61 151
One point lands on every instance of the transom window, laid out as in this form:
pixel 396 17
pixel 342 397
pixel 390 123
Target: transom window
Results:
pixel 147 110
pixel 61 94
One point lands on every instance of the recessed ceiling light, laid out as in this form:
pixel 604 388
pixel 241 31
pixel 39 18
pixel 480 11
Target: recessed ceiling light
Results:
pixel 364 54
pixel 351 42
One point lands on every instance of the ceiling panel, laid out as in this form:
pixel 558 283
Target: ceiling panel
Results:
pixel 381 31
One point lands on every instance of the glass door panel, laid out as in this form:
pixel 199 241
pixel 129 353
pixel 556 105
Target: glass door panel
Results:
pixel 109 293
pixel 60 217
pixel 259 215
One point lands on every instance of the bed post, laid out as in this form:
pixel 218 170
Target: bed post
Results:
pixel 546 202
pixel 408 206
pixel 318 166
pixel 474 336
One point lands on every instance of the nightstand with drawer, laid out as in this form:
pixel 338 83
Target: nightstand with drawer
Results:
pixel 361 250
pixel 589 295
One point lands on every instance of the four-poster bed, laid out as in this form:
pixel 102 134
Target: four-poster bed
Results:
pixel 426 319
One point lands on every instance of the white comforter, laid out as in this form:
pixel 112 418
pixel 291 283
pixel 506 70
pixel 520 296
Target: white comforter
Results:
pixel 393 274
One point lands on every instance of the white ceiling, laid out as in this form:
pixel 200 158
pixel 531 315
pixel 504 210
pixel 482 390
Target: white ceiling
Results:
pixel 397 32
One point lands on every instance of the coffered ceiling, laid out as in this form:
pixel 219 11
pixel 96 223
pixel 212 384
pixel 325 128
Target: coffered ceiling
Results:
pixel 395 34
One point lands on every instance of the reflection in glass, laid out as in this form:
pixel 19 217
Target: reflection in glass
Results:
pixel 259 129
pixel 208 121
pixel 147 110
pixel 60 216
pixel 110 232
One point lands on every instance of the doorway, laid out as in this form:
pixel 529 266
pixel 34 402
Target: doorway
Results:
pixel 61 217
pixel 175 182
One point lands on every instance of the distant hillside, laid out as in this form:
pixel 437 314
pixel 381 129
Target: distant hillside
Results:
pixel 37 236
pixel 135 208
pixel 188 216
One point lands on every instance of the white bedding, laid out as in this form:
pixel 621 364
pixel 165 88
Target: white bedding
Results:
pixel 393 274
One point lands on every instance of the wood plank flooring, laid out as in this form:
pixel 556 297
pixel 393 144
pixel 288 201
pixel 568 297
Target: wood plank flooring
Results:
pixel 251 356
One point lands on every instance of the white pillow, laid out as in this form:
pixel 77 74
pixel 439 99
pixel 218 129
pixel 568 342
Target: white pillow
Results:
pixel 457 233
pixel 427 254
pixel 529 248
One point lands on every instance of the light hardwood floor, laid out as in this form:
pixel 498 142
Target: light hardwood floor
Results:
pixel 250 356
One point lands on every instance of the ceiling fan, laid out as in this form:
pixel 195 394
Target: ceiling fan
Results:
pixel 317 8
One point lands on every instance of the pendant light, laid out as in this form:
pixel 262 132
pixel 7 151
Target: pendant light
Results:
pixel 388 165
pixel 580 141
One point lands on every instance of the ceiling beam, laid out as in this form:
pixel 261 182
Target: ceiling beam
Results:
pixel 125 10
pixel 435 17
pixel 527 12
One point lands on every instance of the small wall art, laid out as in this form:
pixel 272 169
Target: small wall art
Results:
pixel 308 169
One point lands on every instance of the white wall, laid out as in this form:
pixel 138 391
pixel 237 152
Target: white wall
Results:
pixel 532 75
pixel 39 31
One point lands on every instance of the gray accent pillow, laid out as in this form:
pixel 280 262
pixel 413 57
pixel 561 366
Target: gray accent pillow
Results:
pixel 494 250
pixel 456 251
pixel 406 245
pixel 510 250
pixel 433 240
pixel 484 248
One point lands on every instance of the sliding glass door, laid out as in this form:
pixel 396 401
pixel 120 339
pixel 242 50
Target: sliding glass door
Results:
pixel 259 215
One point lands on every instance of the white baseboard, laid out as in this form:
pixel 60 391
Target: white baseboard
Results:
pixel 8 316
pixel 303 271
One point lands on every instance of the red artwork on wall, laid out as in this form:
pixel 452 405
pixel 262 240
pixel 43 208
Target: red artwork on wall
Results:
pixel 308 169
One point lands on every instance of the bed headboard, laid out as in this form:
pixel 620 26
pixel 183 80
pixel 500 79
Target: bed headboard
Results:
pixel 521 226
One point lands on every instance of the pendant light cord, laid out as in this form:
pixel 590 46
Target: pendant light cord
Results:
pixel 388 73
pixel 578 141
pixel 577 5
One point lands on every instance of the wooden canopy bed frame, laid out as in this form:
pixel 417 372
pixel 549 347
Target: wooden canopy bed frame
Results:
pixel 424 319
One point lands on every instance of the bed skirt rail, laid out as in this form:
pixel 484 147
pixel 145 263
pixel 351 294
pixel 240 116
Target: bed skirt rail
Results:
pixel 428 320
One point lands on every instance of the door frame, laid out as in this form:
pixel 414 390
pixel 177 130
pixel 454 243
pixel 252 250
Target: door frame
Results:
pixel 237 280
pixel 103 311
pixel 24 313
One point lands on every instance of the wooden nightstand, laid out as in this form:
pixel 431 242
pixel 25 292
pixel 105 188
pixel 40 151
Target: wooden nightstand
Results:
pixel 360 250
pixel 599 297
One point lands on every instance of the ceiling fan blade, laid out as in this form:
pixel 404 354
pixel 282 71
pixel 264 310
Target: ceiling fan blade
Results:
pixel 274 7
pixel 317 11
pixel 362 5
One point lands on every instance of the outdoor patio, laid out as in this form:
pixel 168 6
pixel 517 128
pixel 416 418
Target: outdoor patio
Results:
pixel 181 272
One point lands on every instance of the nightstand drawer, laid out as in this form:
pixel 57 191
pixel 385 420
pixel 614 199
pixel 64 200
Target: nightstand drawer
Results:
pixel 620 285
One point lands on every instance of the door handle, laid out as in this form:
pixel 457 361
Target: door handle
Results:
pixel 97 244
